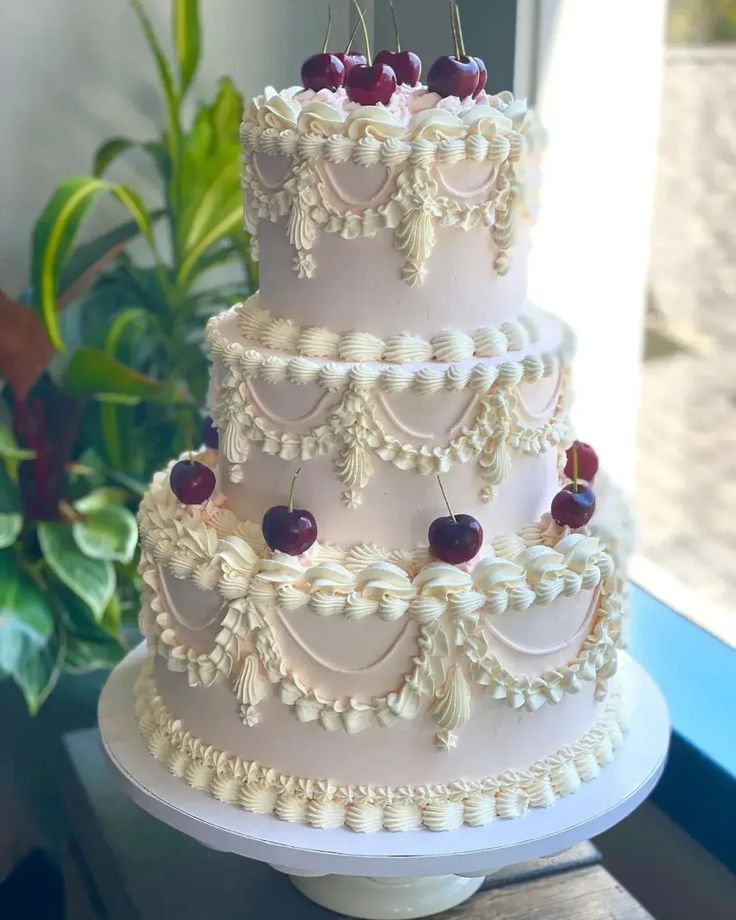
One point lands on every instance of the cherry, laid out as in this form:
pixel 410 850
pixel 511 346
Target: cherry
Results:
pixel 191 481
pixel 454 74
pixel 573 506
pixel 405 64
pixel 324 70
pixel 287 529
pixel 210 434
pixel 455 538
pixel 482 77
pixel 348 58
pixel 587 460
pixel 370 84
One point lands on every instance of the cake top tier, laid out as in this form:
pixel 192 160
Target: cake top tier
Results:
pixel 426 196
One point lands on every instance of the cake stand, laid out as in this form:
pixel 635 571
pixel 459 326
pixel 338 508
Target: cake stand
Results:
pixel 384 875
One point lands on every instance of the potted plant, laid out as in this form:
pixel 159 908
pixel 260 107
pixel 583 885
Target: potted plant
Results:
pixel 103 376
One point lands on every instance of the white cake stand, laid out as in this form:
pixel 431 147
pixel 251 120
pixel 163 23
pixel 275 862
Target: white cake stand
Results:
pixel 383 875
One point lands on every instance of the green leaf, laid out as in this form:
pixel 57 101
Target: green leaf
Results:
pixel 171 98
pixel 211 196
pixel 39 671
pixel 109 533
pixel 94 373
pixel 108 152
pixel 9 448
pixel 56 231
pixel 90 258
pixel 26 620
pixel 158 152
pixel 104 497
pixel 9 495
pixel 85 654
pixel 186 29
pixel 92 580
pixel 112 618
pixel 225 225
pixel 91 644
pixel 136 337
pixel 10 526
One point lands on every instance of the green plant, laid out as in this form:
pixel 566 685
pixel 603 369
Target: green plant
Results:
pixel 103 372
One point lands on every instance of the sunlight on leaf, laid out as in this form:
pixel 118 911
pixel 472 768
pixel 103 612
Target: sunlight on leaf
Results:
pixel 107 533
pixel 103 497
pixel 11 524
pixel 56 231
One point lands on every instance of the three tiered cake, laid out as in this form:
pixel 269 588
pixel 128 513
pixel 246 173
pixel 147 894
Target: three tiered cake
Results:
pixel 375 677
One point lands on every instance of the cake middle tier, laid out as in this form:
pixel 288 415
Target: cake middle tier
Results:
pixel 370 437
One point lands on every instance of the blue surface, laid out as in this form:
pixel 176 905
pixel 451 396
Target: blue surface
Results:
pixel 696 672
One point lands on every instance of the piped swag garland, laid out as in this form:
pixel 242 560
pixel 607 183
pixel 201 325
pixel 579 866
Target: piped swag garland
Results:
pixel 417 202
pixel 353 432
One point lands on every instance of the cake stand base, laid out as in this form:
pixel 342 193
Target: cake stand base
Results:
pixel 382 875
pixel 387 898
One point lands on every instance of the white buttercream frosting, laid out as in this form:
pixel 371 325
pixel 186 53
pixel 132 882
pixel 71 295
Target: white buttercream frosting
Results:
pixel 416 133
pixel 366 809
pixel 356 431
pixel 448 603
pixel 258 326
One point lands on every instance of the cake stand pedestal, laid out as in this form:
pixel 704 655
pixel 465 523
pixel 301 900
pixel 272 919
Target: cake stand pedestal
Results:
pixel 383 875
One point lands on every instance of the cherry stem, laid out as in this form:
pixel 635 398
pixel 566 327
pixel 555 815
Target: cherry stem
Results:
pixel 574 469
pixel 442 490
pixel 454 29
pixel 365 31
pixel 352 36
pixel 291 490
pixel 396 25
pixel 329 29
pixel 461 40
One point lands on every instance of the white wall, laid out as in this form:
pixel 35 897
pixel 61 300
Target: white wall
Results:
pixel 598 88
pixel 74 72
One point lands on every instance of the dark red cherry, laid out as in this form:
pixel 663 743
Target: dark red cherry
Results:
pixel 291 532
pixel 192 482
pixel 405 64
pixel 453 76
pixel 482 77
pixel 455 538
pixel 350 59
pixel 288 529
pixel 587 461
pixel 573 508
pixel 371 85
pixel 210 435
pixel 323 71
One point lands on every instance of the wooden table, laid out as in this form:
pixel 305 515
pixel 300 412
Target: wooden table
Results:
pixel 120 864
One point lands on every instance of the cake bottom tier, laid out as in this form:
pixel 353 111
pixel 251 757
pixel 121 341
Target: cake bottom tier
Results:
pixel 191 752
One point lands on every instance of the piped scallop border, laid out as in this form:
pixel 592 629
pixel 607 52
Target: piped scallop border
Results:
pixel 323 804
pixel 334 376
pixel 259 326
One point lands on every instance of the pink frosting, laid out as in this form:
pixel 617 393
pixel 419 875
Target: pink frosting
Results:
pixel 405 102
